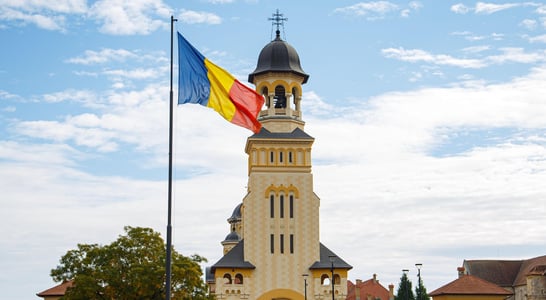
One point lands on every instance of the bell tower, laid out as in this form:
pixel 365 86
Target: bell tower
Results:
pixel 279 77
pixel 277 239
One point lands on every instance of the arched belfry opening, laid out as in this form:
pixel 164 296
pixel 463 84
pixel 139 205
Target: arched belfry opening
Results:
pixel 280 97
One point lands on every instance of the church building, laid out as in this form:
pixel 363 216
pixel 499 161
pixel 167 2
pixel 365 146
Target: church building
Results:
pixel 273 249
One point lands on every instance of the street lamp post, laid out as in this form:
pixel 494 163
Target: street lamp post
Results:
pixel 332 281
pixel 419 281
pixel 406 287
pixel 305 285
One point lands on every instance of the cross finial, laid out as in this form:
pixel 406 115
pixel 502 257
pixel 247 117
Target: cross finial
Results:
pixel 278 20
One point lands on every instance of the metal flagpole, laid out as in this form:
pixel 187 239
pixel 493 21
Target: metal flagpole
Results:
pixel 169 205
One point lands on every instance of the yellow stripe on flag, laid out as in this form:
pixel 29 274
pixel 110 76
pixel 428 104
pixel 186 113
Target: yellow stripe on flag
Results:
pixel 220 85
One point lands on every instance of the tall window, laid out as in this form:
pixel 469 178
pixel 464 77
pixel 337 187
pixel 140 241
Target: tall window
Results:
pixel 291 243
pixel 272 242
pixel 291 206
pixel 272 206
pixel 272 157
pixel 282 243
pixel 280 157
pixel 281 204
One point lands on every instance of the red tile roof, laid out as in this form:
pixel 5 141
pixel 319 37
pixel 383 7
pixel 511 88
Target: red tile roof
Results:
pixel 370 287
pixel 58 290
pixel 470 285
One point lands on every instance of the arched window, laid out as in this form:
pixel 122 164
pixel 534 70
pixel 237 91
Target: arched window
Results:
pixel 337 279
pixel 272 206
pixel 239 278
pixel 324 279
pixel 227 278
pixel 291 205
pixel 265 94
pixel 280 97
pixel 281 206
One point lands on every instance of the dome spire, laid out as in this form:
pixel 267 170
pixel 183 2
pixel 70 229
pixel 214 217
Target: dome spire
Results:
pixel 278 20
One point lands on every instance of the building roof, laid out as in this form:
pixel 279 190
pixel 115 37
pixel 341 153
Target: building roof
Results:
pixel 499 272
pixel 370 287
pixel 58 290
pixel 234 259
pixel 529 266
pixel 278 56
pixel 506 273
pixel 236 215
pixel 325 262
pixel 470 285
pixel 295 134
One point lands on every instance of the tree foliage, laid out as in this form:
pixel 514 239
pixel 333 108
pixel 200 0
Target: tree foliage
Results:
pixel 421 292
pixel 404 289
pixel 131 268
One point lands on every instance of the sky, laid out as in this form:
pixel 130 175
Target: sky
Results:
pixel 428 119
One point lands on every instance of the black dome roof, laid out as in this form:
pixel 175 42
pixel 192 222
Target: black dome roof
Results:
pixel 232 237
pixel 278 56
pixel 236 215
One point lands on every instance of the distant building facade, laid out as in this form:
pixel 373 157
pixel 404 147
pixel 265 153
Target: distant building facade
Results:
pixel 470 287
pixel 526 279
pixel 370 289
pixel 497 279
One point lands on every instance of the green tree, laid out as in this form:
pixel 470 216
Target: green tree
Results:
pixel 404 289
pixel 421 292
pixel 131 268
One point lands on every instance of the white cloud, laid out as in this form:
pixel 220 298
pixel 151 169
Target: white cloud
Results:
pixel 518 55
pixel 60 6
pixel 220 1
pixel 140 73
pixel 371 10
pixel 49 15
pixel 85 97
pixel 412 7
pixel 538 39
pixel 120 17
pixel 106 131
pixel 199 17
pixel 417 55
pixel 530 24
pixel 507 54
pixel 476 49
pixel 40 20
pixel 460 8
pixel 102 56
pixel 489 8
pixel 9 109
pixel 7 95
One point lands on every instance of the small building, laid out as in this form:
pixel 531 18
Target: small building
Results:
pixel 57 291
pixel 469 287
pixel 526 279
pixel 370 289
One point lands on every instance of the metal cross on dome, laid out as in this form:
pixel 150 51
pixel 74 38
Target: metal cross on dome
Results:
pixel 278 20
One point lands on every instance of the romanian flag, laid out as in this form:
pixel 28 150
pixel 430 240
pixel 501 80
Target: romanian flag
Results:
pixel 200 81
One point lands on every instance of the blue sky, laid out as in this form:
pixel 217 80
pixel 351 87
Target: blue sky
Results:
pixel 428 117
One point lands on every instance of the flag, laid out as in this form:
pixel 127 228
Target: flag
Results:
pixel 201 81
